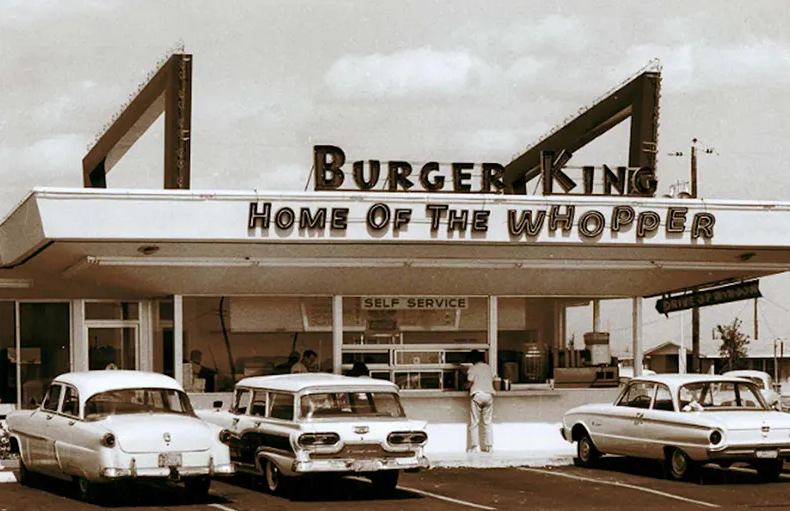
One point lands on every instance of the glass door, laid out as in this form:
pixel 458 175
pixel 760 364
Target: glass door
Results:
pixel 112 347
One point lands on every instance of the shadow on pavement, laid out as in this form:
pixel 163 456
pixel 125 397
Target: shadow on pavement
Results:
pixel 325 489
pixel 129 494
pixel 708 474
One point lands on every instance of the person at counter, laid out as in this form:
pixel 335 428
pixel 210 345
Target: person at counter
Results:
pixel 201 371
pixel 480 380
pixel 306 364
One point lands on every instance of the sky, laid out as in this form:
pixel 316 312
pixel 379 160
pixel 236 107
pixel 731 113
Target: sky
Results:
pixel 420 80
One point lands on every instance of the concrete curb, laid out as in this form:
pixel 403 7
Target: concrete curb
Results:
pixel 500 460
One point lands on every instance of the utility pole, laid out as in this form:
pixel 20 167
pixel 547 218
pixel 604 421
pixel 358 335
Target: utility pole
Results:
pixel 756 331
pixel 695 367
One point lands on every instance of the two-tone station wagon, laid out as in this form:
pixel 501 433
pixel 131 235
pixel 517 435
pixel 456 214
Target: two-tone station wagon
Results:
pixel 288 426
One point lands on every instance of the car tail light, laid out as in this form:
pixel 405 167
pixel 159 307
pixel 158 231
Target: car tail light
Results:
pixel 407 437
pixel 715 437
pixel 225 436
pixel 313 439
pixel 108 440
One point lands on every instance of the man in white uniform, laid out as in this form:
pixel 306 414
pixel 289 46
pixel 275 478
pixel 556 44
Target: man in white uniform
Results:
pixel 480 379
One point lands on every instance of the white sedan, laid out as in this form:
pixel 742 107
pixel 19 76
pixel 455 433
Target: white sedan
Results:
pixel 765 383
pixel 685 420
pixel 104 426
pixel 290 426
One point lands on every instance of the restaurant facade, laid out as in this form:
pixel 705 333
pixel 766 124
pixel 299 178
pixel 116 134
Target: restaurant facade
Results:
pixel 404 267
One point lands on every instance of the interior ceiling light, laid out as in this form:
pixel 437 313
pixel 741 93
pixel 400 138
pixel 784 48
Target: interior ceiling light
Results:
pixel 148 249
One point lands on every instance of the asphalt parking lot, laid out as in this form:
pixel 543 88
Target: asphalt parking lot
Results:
pixel 618 484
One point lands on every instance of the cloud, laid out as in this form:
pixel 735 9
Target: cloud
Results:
pixel 24 12
pixel 55 159
pixel 560 33
pixel 703 66
pixel 422 72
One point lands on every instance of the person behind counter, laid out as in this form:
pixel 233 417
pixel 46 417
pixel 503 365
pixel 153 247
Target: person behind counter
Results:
pixel 201 371
pixel 306 364
pixel 480 379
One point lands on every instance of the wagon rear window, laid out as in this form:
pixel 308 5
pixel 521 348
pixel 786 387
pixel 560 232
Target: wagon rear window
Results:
pixel 129 401
pixel 351 404
pixel 720 396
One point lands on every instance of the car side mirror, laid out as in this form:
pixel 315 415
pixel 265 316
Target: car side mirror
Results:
pixel 217 404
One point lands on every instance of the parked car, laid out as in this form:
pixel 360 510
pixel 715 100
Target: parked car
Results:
pixel 685 420
pixel 764 382
pixel 286 427
pixel 102 426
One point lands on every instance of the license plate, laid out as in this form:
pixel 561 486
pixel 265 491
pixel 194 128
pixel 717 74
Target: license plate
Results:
pixel 769 453
pixel 365 466
pixel 170 459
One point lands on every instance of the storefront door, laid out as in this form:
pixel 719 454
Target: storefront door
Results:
pixel 112 347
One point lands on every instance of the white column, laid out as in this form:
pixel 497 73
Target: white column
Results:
pixel 559 333
pixel 79 337
pixel 493 333
pixel 637 332
pixel 682 347
pixel 145 362
pixel 596 326
pixel 178 337
pixel 337 334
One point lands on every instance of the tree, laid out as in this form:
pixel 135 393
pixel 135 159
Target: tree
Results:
pixel 734 344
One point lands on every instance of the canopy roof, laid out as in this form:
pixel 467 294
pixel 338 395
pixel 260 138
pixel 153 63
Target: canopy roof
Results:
pixel 95 243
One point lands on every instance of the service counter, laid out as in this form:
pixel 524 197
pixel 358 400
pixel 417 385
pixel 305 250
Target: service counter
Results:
pixel 524 420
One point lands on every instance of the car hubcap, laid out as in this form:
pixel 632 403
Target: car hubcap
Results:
pixel 678 463
pixel 272 475
pixel 84 486
pixel 584 449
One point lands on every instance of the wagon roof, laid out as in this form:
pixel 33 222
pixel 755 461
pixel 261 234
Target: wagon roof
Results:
pixel 300 381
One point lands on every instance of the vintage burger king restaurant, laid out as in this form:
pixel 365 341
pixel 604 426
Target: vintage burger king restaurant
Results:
pixel 211 285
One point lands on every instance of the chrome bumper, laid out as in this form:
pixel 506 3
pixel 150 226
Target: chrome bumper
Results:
pixel 356 465
pixel 134 471
pixel 749 452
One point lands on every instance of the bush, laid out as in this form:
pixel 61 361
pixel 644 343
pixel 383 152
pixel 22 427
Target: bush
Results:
pixel 5 443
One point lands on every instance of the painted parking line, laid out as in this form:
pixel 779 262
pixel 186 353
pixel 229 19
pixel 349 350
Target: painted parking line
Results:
pixel 621 485
pixel 221 507
pixel 434 495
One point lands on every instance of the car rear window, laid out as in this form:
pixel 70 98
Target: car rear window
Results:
pixel 721 395
pixel 351 404
pixel 130 401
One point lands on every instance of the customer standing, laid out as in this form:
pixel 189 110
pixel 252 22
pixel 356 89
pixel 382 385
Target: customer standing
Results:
pixel 480 379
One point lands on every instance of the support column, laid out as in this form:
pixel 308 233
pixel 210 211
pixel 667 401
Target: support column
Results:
pixel 637 335
pixel 145 361
pixel 493 334
pixel 79 338
pixel 596 326
pixel 337 334
pixel 178 338
pixel 682 348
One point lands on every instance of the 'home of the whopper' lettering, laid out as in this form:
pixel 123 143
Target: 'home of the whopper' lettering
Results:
pixel 289 220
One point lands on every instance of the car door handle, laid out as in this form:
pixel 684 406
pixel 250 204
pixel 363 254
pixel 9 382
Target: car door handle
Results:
pixel 71 423
pixel 49 417
pixel 235 421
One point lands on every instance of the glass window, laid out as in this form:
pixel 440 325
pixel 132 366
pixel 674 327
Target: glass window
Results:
pixel 240 401
pixel 45 337
pixel 7 358
pixel 258 407
pixel 50 402
pixel 112 310
pixel 226 340
pixel 663 399
pixel 132 401
pixel 351 404
pixel 112 348
pixel 638 395
pixel 720 395
pixel 281 406
pixel 71 402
